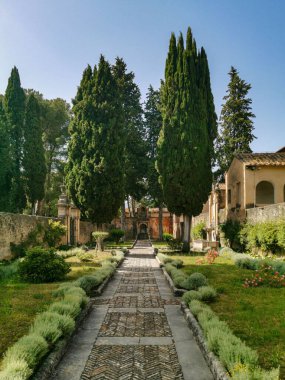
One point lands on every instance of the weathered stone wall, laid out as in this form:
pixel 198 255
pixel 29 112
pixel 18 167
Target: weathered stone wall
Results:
pixel 266 213
pixel 86 229
pixel 204 217
pixel 14 228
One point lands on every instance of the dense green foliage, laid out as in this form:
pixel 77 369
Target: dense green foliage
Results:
pixel 153 124
pixel 14 102
pixel 42 265
pixel 95 169
pixel 198 231
pixel 262 237
pixel 33 153
pixel 236 132
pixel 135 150
pixel 33 137
pixel 116 234
pixel 53 233
pixel 185 146
pixel 6 163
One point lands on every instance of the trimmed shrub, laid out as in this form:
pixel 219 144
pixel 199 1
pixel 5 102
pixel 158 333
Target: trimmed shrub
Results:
pixel 246 263
pixel 178 277
pixel 226 252
pixel 70 252
pixel 195 281
pixel 30 348
pixel 177 263
pixel 16 370
pixel 85 256
pixel 65 308
pixel 232 351
pixel 49 331
pixel 63 322
pixel 42 265
pixel 207 293
pixel 197 307
pixel 190 296
pixel 116 234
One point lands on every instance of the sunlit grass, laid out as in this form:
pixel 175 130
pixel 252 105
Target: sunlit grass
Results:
pixel 256 315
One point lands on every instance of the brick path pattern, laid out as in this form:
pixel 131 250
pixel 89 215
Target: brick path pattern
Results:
pixel 136 330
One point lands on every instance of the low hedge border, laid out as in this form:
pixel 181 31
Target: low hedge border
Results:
pixel 177 292
pixel 240 371
pixel 44 365
pixel 213 362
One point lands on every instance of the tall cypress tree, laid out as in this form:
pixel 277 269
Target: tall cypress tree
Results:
pixel 33 153
pixel 95 169
pixel 153 123
pixel 136 147
pixel 185 143
pixel 6 164
pixel 236 124
pixel 14 102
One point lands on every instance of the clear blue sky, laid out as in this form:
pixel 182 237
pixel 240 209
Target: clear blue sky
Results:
pixel 52 41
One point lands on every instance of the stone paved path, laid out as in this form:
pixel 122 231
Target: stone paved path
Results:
pixel 135 330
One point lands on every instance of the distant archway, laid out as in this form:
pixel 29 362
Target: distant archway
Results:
pixel 264 193
pixel 143 228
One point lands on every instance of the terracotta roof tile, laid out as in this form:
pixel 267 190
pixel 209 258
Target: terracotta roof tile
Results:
pixel 262 159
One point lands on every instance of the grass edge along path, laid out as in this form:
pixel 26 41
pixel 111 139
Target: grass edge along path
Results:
pixel 22 358
pixel 239 370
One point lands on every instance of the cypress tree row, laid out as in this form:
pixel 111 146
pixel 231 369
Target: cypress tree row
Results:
pixel 95 169
pixel 14 102
pixel 136 147
pixel 236 133
pixel 153 123
pixel 6 164
pixel 33 153
pixel 185 146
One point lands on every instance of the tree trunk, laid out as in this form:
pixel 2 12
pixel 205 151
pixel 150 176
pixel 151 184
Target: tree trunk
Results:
pixel 160 222
pixel 123 219
pixel 187 219
pixel 128 200
pixel 133 206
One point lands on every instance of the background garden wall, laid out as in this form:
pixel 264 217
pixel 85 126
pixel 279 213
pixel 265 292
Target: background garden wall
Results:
pixel 266 213
pixel 14 228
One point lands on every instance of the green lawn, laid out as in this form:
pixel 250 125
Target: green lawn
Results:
pixel 20 302
pixel 256 315
pixel 125 244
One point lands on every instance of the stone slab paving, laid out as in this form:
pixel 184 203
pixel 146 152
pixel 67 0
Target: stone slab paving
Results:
pixel 135 330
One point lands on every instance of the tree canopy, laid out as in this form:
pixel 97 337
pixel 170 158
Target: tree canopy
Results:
pixel 236 124
pixel 185 146
pixel 95 169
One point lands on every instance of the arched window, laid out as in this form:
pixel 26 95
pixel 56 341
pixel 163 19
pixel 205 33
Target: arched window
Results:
pixel 264 193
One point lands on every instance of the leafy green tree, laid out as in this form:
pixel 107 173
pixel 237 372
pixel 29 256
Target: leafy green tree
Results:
pixel 55 118
pixel 185 145
pixel 153 124
pixel 34 165
pixel 6 164
pixel 14 102
pixel 95 169
pixel 236 124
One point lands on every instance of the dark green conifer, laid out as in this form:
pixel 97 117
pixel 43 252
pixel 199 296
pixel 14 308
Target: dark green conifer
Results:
pixel 153 124
pixel 236 124
pixel 6 164
pixel 185 143
pixel 95 169
pixel 14 102
pixel 34 166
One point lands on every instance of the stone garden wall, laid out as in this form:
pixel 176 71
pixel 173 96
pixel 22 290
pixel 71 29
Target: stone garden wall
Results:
pixel 266 213
pixel 14 228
